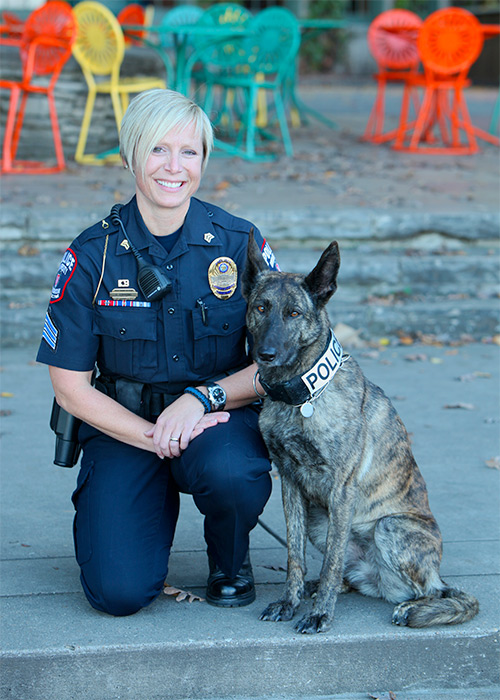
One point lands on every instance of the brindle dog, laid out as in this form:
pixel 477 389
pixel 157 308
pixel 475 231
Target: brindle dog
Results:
pixel 349 479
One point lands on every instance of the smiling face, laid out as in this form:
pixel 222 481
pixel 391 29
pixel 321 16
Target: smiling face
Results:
pixel 171 176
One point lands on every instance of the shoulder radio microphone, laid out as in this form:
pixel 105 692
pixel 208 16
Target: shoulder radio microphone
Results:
pixel 151 279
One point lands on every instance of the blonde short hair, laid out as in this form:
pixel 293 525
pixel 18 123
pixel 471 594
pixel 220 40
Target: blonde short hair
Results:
pixel 150 116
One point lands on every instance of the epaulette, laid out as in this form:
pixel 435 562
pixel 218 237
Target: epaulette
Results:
pixel 224 218
pixel 97 230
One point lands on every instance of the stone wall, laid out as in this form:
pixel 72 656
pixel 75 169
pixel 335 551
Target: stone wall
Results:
pixel 71 94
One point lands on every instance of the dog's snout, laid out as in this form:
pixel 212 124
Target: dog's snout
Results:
pixel 267 354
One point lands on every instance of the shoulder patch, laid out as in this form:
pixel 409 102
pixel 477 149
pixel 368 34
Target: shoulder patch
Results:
pixel 64 274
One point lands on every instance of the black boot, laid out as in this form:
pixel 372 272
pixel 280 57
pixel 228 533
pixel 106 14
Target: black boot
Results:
pixel 228 592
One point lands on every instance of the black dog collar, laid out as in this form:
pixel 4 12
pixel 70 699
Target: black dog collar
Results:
pixel 307 387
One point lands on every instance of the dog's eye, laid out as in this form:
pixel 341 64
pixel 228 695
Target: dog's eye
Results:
pixel 260 309
pixel 294 313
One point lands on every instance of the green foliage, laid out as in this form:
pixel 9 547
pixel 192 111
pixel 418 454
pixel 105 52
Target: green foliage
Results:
pixel 323 50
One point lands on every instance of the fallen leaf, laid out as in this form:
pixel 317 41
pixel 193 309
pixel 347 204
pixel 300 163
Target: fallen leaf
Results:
pixel 493 463
pixel 472 376
pixel 182 595
pixel 272 567
pixel 5 413
pixel 419 357
pixel 436 360
pixel 222 185
pixel 405 340
pixel 28 251
pixel 496 339
pixel 466 406
pixel 384 341
pixel 6 395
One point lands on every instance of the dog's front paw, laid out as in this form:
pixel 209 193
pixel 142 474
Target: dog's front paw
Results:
pixel 278 612
pixel 310 624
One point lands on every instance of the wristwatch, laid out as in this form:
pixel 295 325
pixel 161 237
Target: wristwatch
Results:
pixel 216 396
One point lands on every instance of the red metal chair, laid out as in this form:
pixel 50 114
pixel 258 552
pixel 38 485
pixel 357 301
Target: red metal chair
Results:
pixel 392 42
pixel 132 14
pixel 449 42
pixel 11 28
pixel 46 43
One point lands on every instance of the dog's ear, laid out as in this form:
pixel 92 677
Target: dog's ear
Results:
pixel 322 281
pixel 255 263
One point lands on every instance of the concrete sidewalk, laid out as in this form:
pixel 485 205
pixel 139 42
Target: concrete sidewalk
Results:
pixel 55 647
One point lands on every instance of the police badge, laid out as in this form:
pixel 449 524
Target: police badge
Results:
pixel 223 277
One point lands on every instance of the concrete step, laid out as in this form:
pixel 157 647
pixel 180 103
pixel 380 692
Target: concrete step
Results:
pixel 447 291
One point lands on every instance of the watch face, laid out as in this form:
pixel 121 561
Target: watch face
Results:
pixel 217 395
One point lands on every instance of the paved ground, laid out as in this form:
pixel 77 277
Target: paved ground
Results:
pixel 55 647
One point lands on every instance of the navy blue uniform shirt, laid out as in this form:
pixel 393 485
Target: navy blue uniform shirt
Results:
pixel 97 313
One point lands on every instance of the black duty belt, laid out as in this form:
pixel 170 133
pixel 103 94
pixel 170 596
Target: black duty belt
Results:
pixel 139 398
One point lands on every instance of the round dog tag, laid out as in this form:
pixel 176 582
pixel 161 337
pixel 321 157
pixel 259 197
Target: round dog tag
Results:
pixel 307 410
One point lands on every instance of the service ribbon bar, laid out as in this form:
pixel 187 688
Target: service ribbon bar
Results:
pixel 123 302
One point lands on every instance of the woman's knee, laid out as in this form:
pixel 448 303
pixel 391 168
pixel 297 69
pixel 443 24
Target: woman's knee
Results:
pixel 121 596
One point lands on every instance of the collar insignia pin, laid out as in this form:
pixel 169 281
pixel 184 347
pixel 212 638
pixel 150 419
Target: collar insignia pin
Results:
pixel 208 237
pixel 125 244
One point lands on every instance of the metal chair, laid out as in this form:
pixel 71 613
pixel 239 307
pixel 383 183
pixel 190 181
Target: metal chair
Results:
pixel 132 14
pixel 45 46
pixel 396 54
pixel 214 56
pixel 262 59
pixel 178 16
pixel 99 49
pixel 11 28
pixel 449 42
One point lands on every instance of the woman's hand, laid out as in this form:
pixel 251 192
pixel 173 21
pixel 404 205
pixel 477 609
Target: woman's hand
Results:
pixel 180 423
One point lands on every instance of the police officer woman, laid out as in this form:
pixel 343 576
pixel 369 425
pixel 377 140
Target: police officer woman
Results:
pixel 150 296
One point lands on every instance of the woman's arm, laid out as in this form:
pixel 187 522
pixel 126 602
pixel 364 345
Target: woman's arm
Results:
pixel 180 418
pixel 76 395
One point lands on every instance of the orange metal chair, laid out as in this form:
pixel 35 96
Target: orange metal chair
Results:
pixel 392 42
pixel 11 28
pixel 45 47
pixel 132 14
pixel 449 42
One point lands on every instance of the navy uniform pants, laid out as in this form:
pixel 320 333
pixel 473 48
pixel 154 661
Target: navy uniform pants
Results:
pixel 127 504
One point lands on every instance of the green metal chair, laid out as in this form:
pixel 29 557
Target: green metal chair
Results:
pixel 213 55
pixel 176 43
pixel 259 64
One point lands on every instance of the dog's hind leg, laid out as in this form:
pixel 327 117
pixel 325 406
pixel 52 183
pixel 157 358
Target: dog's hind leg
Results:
pixel 295 516
pixel 411 549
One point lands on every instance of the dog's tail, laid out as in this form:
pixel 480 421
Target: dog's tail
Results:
pixel 449 607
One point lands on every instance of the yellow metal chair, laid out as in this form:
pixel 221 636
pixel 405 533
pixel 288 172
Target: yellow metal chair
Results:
pixel 99 49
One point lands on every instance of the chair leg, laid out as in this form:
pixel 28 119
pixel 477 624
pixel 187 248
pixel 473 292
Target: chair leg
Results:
pixel 18 124
pixel 9 130
pixel 117 109
pixel 251 117
pixel 61 163
pixel 422 119
pixel 285 134
pixel 84 129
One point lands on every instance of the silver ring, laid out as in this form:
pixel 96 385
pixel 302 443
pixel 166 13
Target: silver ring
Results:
pixel 174 439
